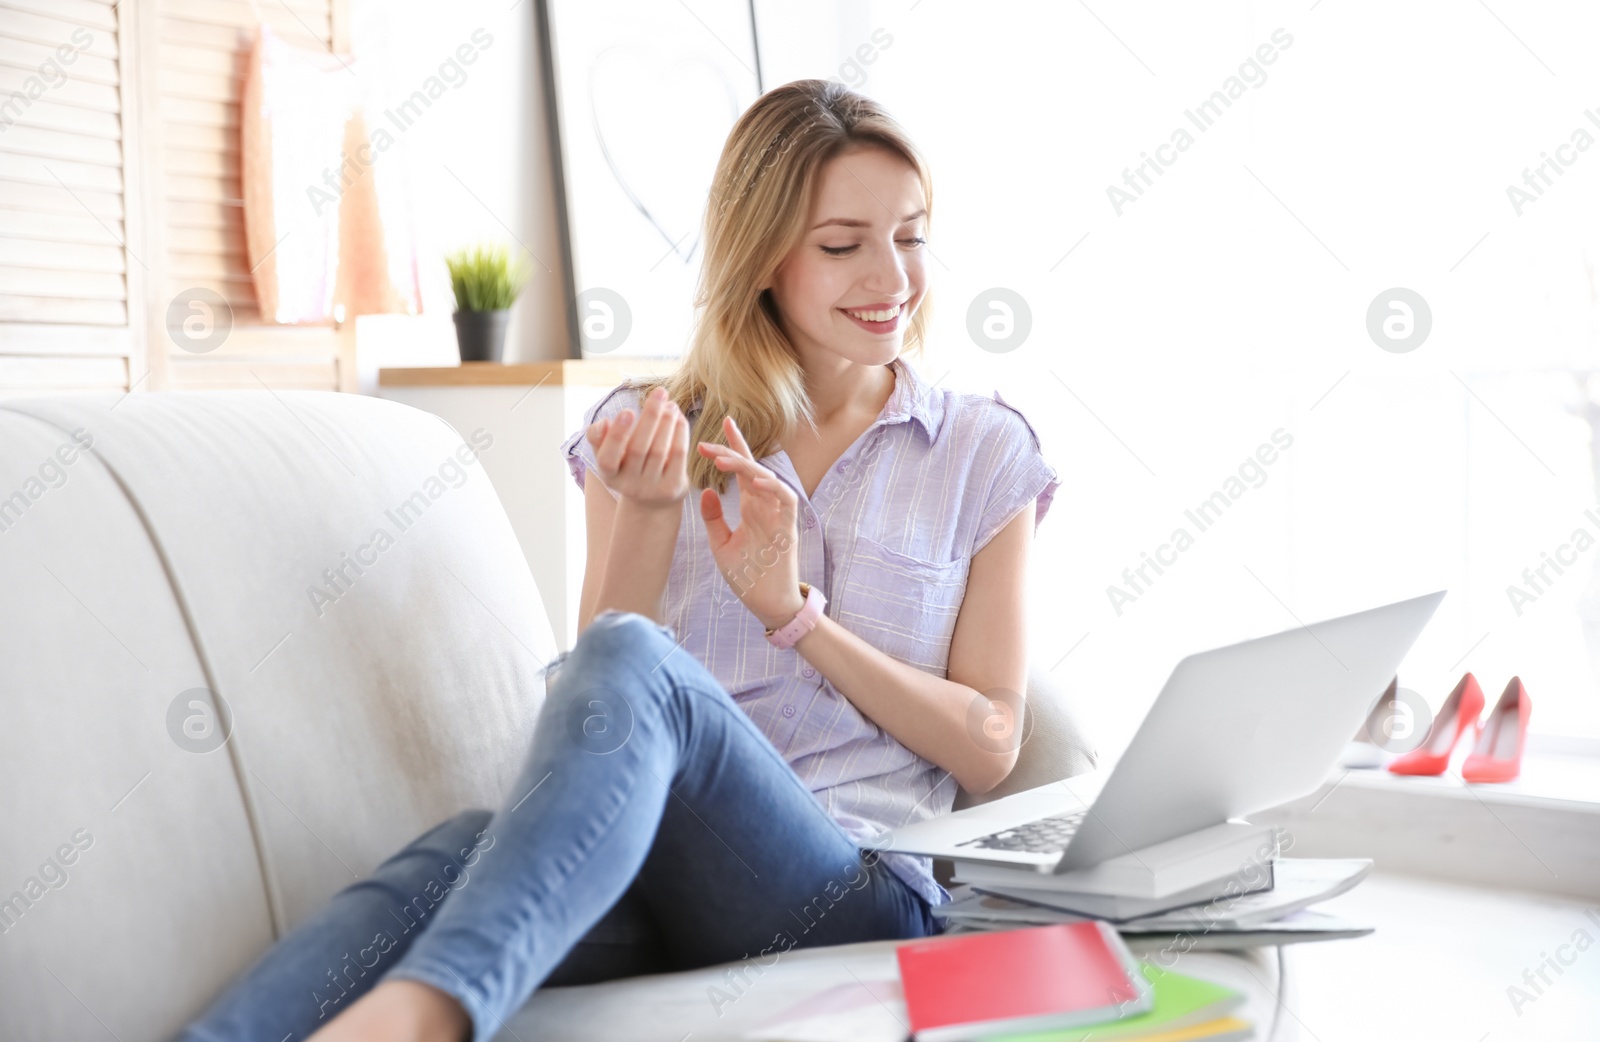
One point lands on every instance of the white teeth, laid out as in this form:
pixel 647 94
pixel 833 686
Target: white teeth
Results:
pixel 876 316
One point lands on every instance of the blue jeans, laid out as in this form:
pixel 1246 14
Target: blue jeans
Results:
pixel 653 828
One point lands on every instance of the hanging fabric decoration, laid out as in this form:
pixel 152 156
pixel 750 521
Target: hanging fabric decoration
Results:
pixel 315 204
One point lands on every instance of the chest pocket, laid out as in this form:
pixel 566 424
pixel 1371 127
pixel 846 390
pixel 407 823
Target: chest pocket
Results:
pixel 902 605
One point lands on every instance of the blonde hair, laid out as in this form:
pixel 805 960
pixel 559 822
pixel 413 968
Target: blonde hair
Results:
pixel 740 362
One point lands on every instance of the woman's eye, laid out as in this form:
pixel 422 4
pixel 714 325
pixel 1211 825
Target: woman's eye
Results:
pixel 840 251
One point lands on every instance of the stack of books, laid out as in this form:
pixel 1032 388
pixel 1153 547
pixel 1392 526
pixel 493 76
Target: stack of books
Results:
pixel 1062 983
pixel 1067 982
pixel 1260 906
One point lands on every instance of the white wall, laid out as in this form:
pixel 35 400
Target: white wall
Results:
pixel 477 163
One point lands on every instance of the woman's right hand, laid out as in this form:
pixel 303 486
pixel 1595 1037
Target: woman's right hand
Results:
pixel 645 458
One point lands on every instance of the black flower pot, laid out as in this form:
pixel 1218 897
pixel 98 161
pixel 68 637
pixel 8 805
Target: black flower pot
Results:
pixel 481 335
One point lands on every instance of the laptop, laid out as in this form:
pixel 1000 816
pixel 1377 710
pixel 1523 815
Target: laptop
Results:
pixel 1235 730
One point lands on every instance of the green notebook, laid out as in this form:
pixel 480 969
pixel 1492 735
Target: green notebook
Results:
pixel 1179 1002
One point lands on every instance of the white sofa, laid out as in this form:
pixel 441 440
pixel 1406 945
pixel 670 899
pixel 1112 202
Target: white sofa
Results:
pixel 161 553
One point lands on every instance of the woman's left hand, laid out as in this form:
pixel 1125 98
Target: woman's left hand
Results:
pixel 759 559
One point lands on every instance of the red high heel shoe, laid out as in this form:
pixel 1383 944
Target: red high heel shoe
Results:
pixel 1458 714
pixel 1497 755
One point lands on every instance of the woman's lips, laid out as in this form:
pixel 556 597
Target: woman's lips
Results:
pixel 877 327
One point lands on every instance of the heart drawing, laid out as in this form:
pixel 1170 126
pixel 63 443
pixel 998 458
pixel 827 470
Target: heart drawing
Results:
pixel 660 121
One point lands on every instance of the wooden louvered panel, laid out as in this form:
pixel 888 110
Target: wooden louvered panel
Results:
pixel 216 214
pixel 56 28
pixel 119 189
pixel 82 226
pixel 63 373
pixel 208 163
pixel 231 38
pixel 202 113
pixel 47 114
pixel 200 239
pixel 61 172
pixel 204 45
pixel 212 267
pixel 31 54
pixel 97 97
pixel 241 296
pixel 91 14
pixel 65 143
pixel 198 189
pixel 62 340
pixel 82 285
pixel 193 374
pixel 204 86
pixel 303 16
pixel 55 309
pixel 63 257
pixel 265 345
pixel 184 58
pixel 53 198
pixel 197 136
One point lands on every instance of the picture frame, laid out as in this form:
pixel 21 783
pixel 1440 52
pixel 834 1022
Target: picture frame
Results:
pixel 640 99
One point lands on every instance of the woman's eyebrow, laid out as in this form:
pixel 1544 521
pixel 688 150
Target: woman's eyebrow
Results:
pixel 851 222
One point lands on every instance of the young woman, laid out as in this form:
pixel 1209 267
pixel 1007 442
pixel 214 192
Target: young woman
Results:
pixel 770 670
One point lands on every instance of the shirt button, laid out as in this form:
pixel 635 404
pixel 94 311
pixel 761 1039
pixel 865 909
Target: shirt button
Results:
pixel 810 672
pixel 811 520
pixel 788 710
pixel 842 467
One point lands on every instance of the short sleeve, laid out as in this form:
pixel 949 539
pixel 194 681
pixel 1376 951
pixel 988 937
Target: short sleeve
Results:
pixel 576 450
pixel 1022 475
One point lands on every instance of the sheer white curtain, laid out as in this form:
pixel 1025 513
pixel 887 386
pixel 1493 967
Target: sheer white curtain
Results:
pixel 1176 328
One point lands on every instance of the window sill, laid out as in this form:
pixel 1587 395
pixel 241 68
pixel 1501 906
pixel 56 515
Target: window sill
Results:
pixel 1539 833
pixel 1548 780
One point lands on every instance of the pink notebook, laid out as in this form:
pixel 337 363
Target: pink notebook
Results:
pixel 985 984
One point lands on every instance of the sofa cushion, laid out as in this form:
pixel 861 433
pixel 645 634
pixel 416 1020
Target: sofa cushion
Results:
pixel 127 859
pixel 339 571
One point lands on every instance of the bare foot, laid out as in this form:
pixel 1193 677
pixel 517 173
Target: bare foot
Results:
pixel 399 1011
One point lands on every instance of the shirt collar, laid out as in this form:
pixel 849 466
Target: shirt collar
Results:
pixel 914 399
pixel 911 400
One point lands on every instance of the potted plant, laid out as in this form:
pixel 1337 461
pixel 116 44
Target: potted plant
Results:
pixel 486 282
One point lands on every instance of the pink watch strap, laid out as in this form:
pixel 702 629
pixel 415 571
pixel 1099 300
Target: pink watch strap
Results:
pixel 805 619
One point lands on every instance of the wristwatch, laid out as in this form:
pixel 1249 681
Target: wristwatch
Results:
pixel 805 619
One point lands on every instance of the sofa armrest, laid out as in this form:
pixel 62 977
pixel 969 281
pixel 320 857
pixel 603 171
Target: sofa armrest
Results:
pixel 1055 746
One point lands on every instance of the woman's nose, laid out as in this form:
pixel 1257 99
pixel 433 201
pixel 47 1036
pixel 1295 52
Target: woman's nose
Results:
pixel 888 276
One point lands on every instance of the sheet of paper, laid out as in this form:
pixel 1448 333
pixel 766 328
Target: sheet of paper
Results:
pixel 863 1011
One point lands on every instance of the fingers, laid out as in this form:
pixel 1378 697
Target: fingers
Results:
pixel 736 438
pixel 747 470
pixel 639 444
pixel 678 453
pixel 654 462
pixel 729 460
pixel 651 414
pixel 614 441
pixel 717 530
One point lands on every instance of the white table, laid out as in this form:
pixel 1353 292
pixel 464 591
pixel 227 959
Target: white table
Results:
pixel 672 1007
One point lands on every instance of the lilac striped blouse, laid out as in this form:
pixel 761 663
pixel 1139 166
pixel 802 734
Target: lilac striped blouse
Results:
pixel 889 536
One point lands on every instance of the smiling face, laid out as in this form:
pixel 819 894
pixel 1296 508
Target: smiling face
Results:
pixel 850 287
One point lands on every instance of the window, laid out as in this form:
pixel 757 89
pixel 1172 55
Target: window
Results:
pixel 1186 303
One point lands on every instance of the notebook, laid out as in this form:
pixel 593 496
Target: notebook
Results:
pixel 1183 1007
pixel 980 986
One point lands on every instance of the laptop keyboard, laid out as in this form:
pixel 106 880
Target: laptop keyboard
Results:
pixel 1044 836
